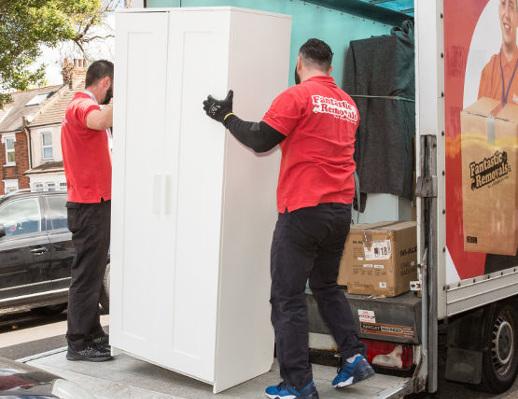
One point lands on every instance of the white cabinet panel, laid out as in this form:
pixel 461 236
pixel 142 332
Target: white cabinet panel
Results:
pixel 249 211
pixel 193 209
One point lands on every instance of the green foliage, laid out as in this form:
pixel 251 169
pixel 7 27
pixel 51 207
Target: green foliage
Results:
pixel 25 25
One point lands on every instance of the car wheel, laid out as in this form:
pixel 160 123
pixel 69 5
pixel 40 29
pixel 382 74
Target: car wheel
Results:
pixel 51 310
pixel 104 301
pixel 500 365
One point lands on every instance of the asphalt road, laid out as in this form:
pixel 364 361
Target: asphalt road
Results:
pixel 29 334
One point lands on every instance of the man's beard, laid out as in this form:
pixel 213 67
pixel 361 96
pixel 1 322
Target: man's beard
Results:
pixel 297 77
pixel 108 96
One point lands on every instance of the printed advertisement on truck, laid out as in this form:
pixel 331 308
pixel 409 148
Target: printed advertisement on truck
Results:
pixel 481 106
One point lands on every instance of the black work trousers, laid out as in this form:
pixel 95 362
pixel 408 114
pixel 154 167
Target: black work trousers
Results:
pixel 90 227
pixel 308 244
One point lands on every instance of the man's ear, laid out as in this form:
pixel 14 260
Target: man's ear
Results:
pixel 299 63
pixel 330 70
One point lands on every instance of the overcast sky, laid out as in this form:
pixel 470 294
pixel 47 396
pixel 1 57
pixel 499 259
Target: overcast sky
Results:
pixel 98 49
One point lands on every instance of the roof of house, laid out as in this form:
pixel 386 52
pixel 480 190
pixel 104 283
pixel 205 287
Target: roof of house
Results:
pixel 54 110
pixel 24 104
pixel 46 167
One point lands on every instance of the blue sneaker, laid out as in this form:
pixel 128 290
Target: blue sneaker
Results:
pixel 287 391
pixel 352 372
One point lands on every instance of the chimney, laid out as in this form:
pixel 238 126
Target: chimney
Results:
pixel 74 72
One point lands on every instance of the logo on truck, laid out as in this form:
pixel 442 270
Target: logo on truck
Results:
pixel 489 171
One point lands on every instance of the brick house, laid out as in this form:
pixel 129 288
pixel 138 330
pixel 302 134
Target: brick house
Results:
pixel 30 134
pixel 47 171
pixel 15 157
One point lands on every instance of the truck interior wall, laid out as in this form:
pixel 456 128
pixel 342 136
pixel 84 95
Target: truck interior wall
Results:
pixel 308 20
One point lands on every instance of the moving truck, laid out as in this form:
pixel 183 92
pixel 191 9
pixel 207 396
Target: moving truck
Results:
pixel 465 189
pixel 466 213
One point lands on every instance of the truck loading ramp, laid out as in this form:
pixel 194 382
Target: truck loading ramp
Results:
pixel 128 378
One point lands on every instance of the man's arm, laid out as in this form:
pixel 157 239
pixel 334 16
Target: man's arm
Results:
pixel 100 119
pixel 258 136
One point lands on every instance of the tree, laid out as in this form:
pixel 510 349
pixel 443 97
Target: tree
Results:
pixel 26 25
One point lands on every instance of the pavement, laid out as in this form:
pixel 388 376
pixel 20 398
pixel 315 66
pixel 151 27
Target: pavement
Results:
pixel 28 335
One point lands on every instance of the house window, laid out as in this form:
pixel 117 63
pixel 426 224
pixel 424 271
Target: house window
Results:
pixel 9 150
pixel 38 187
pixel 10 186
pixel 63 186
pixel 46 143
pixel 51 186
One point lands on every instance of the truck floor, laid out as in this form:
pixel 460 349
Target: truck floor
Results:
pixel 128 378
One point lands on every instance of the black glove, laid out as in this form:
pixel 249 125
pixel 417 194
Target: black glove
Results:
pixel 218 109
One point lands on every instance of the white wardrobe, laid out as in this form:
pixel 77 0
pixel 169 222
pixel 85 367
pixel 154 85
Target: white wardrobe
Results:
pixel 193 210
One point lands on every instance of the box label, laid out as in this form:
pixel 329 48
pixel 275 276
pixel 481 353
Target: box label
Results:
pixel 366 316
pixel 383 285
pixel 378 250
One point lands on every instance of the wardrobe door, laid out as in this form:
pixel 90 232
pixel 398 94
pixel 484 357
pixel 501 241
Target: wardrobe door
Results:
pixel 141 230
pixel 197 66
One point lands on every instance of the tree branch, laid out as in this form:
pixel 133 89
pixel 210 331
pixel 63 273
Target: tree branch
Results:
pixel 80 45
pixel 92 38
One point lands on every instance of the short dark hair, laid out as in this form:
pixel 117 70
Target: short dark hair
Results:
pixel 318 53
pixel 98 70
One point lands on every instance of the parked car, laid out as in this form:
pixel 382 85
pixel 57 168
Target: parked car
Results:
pixel 18 380
pixel 36 253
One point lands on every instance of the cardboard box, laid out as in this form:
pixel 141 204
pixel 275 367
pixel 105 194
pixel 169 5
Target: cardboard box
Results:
pixel 379 259
pixel 489 142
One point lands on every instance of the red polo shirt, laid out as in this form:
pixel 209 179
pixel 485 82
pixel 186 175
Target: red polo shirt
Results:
pixel 86 155
pixel 319 121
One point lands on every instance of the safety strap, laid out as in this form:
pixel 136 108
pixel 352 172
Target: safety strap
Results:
pixel 394 98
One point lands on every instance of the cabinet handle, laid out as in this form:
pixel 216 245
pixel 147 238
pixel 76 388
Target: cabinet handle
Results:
pixel 167 194
pixel 157 193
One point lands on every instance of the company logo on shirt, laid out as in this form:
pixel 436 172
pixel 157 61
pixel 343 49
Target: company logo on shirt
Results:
pixel 338 108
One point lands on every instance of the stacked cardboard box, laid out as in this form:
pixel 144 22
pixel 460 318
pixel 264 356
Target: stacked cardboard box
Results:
pixel 379 259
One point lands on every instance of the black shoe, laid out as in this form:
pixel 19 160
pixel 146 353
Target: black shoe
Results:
pixel 102 340
pixel 90 354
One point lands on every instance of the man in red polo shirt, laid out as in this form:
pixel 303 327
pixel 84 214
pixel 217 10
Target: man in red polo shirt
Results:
pixel 87 160
pixel 315 124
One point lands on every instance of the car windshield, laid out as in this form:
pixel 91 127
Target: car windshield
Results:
pixel 21 216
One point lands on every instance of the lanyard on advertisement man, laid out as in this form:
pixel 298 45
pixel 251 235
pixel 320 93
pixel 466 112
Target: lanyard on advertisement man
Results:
pixel 505 92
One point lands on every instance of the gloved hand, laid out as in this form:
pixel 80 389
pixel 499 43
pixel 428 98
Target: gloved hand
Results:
pixel 218 109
